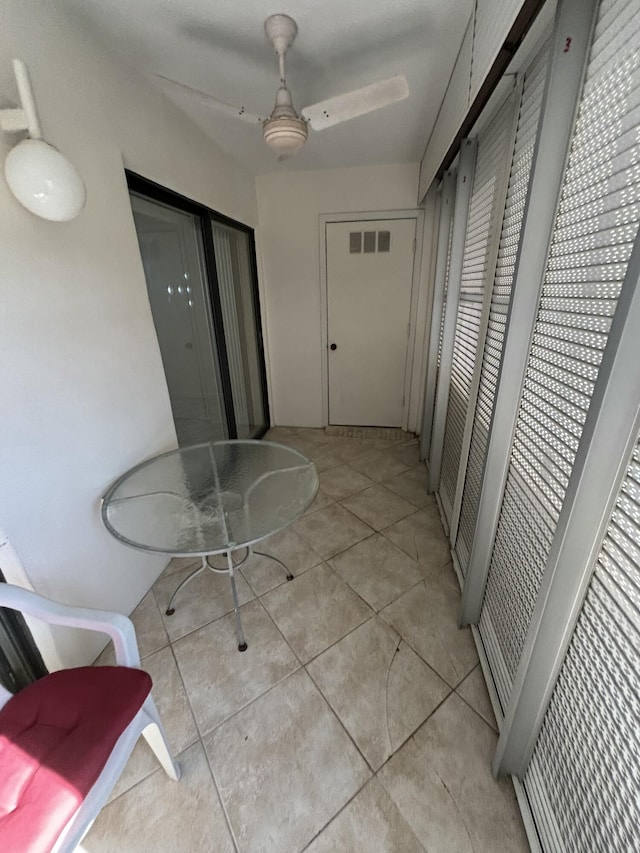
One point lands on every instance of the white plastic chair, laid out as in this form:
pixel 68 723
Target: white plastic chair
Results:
pixel 146 721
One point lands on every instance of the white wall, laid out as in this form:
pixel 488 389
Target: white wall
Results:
pixel 289 206
pixel 81 381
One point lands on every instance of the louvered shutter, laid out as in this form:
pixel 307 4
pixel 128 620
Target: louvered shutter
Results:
pixel 509 238
pixel 583 781
pixel 429 426
pixel 481 224
pixel 427 423
pixel 593 235
pixel 444 298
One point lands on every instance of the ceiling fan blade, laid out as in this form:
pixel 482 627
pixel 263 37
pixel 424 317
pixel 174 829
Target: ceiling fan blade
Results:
pixel 210 101
pixel 357 103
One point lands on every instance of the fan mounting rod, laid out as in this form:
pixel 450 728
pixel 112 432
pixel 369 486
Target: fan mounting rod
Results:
pixel 281 31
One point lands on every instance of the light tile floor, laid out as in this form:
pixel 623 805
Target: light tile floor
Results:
pixel 357 720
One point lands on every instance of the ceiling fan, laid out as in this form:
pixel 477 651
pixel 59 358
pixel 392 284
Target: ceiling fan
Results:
pixel 285 130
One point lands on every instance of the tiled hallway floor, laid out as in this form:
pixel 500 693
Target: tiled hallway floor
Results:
pixel 357 720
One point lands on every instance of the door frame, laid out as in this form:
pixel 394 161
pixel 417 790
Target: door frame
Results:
pixel 156 192
pixel 20 660
pixel 324 219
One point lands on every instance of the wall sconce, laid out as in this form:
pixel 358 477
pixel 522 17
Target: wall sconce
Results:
pixel 39 176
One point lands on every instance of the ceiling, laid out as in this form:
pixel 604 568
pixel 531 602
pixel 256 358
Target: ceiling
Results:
pixel 221 48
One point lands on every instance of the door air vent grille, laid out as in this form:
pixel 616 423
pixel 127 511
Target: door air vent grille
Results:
pixel 374 241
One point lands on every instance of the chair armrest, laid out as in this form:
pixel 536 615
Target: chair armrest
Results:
pixel 118 627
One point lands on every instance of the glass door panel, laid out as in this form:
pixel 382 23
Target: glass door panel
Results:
pixel 173 259
pixel 240 316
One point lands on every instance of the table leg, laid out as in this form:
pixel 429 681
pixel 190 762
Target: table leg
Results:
pixel 242 645
pixel 275 559
pixel 171 609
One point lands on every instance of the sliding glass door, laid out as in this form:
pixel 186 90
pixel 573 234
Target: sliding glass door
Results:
pixel 237 299
pixel 201 281
pixel 173 260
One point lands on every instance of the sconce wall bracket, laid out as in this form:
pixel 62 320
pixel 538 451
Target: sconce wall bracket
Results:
pixel 24 117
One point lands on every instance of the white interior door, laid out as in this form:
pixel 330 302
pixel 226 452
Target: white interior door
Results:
pixel 369 278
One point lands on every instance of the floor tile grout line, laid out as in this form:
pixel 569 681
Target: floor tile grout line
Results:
pixel 158 614
pixel 475 711
pixel 411 646
pixel 391 492
pixel 415 732
pixel 353 544
pixel 326 559
pixel 348 803
pixel 235 713
pixel 340 810
pixel 342 725
pixel 389 603
pixel 158 769
pixel 417 728
pixel 277 627
pixel 296 574
pixel 464 699
pixel 223 806
pixel 300 665
pixel 339 640
pixel 401 640
pixel 354 591
pixel 186 692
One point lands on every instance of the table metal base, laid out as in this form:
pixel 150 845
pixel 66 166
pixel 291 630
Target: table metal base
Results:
pixel 230 570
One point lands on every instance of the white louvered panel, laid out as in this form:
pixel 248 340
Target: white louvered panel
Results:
pixel 452 113
pixel 493 20
pixel 442 317
pixel 481 223
pixel 511 224
pixel 524 535
pixel 444 294
pixel 595 227
pixel 584 775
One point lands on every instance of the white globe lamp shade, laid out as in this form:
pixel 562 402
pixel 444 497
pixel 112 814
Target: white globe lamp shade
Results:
pixel 44 181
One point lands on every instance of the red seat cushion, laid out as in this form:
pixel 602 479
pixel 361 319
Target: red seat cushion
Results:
pixel 56 735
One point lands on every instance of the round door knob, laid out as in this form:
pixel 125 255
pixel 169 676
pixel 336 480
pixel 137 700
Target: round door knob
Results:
pixel 333 346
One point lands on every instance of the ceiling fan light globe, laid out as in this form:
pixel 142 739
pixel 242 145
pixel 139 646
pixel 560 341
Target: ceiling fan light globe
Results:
pixel 285 135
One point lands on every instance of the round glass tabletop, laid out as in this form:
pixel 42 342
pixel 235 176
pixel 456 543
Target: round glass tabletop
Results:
pixel 210 498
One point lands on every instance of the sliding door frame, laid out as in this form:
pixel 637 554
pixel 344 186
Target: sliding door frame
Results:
pixel 20 659
pixel 205 215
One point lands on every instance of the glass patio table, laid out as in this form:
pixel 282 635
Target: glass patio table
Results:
pixel 207 499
